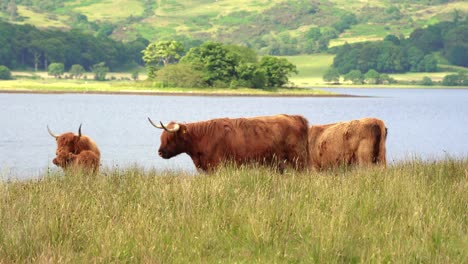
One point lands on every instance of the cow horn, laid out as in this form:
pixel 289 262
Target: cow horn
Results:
pixel 50 132
pixel 156 126
pixel 79 131
pixel 174 129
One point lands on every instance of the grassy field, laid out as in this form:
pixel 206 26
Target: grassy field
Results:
pixel 410 212
pixel 141 87
pixel 312 68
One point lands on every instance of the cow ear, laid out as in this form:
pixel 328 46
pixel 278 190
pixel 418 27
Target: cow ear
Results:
pixel 183 129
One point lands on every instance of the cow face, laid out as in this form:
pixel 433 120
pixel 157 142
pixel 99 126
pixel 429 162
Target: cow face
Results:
pixel 63 158
pixel 66 147
pixel 173 139
pixel 172 143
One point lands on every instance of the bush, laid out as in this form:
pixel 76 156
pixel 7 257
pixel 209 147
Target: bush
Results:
pixel 180 75
pixel 76 71
pixel 5 73
pixel 460 79
pixel 56 69
pixel 427 81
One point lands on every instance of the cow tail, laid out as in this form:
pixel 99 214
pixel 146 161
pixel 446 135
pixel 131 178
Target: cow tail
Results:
pixel 381 159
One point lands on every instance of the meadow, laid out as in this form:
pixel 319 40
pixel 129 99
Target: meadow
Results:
pixel 414 211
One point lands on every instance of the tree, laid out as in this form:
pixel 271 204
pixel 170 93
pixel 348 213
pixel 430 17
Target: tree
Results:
pixel 250 75
pixel 161 52
pixel 76 71
pixel 100 70
pixel 427 81
pixel 5 73
pixel 277 70
pixel 355 76
pixel 180 75
pixel 217 63
pixel 428 64
pixel 56 69
pixel 460 79
pixel 135 75
pixel 332 75
pixel 372 77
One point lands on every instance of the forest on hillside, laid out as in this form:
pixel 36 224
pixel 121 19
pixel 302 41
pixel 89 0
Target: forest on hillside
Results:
pixel 274 27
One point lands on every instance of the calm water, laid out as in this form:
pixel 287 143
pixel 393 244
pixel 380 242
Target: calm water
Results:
pixel 428 124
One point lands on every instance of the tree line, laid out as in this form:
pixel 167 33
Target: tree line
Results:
pixel 25 46
pixel 414 54
pixel 213 64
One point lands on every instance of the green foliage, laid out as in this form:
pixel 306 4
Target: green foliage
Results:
pixel 332 75
pixel 56 69
pixel 76 71
pixel 100 71
pixel 277 70
pixel 460 79
pixel 26 46
pixel 135 75
pixel 427 81
pixel 245 54
pixel 5 73
pixel 355 76
pixel 180 75
pixel 215 61
pixel 251 76
pixel 163 52
pixel 372 77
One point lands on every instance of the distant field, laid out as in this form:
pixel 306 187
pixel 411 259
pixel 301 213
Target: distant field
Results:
pixel 311 68
pixel 111 10
pixel 41 20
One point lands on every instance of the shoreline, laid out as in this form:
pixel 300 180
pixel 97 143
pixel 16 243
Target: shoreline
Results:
pixel 150 93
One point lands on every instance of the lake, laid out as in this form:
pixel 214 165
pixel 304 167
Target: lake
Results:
pixel 424 123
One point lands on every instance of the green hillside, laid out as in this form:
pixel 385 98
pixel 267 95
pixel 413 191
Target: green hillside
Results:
pixel 274 27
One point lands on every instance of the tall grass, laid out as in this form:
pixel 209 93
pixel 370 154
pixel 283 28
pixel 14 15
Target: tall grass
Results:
pixel 410 212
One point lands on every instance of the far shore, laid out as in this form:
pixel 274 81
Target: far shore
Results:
pixel 173 93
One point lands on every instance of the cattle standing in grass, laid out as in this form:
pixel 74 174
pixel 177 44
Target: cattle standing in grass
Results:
pixel 359 142
pixel 277 141
pixel 76 151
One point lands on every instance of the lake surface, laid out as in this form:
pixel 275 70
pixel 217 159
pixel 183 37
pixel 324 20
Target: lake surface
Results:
pixel 427 124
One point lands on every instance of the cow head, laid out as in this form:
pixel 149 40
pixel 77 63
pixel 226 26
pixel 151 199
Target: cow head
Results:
pixel 67 145
pixel 173 139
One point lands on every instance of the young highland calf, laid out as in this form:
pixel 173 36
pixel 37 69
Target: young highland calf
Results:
pixel 76 151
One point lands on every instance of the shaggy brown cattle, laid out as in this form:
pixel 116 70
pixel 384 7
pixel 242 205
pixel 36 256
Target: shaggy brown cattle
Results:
pixel 76 151
pixel 277 141
pixel 359 142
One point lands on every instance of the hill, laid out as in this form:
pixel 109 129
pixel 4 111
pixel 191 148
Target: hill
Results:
pixel 273 27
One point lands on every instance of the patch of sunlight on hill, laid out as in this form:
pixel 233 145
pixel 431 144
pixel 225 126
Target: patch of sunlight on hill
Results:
pixel 111 10
pixel 220 7
pixel 445 9
pixel 40 20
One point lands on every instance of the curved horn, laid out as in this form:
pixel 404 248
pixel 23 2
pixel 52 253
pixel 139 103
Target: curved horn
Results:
pixel 156 126
pixel 50 132
pixel 174 129
pixel 79 131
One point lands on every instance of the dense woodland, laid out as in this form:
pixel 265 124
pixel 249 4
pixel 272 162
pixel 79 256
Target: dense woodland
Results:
pixel 23 47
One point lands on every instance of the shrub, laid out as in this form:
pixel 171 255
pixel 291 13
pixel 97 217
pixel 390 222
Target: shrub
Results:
pixel 56 69
pixel 180 75
pixel 5 73
pixel 427 81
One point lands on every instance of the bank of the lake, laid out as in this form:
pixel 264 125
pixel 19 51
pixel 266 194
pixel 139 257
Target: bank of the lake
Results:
pixel 411 211
pixel 143 87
